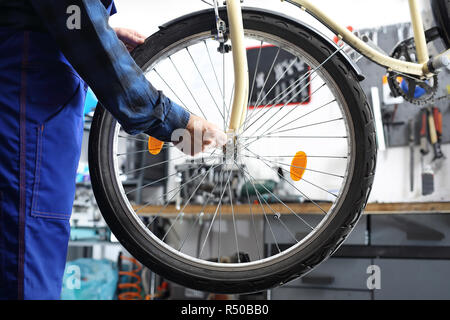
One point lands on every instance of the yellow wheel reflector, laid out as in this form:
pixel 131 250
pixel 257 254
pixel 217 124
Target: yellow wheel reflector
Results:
pixel 154 145
pixel 298 166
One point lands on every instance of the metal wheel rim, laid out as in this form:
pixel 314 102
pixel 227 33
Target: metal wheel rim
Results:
pixel 295 247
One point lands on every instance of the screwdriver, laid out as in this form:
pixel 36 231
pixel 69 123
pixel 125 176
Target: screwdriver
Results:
pixel 423 132
pixel 427 172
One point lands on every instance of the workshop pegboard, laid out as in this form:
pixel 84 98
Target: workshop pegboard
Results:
pixel 397 134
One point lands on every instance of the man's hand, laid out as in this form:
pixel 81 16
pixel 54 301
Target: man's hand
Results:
pixel 130 38
pixel 203 136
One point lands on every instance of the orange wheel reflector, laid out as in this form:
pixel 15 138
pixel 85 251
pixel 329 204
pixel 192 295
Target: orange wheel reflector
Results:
pixel 154 145
pixel 298 166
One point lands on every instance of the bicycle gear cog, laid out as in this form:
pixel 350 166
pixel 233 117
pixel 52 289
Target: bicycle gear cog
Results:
pixel 411 88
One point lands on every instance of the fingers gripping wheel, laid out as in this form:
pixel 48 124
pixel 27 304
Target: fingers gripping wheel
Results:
pixel 182 216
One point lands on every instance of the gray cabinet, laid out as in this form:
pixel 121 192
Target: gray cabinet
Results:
pixel 336 273
pixel 318 294
pixel 299 229
pixel 336 279
pixel 408 230
pixel 410 250
pixel 413 279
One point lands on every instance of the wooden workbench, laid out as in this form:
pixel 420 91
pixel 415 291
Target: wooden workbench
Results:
pixel 302 208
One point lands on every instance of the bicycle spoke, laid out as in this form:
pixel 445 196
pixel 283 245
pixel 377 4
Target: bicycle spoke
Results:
pixel 132 138
pixel 257 138
pixel 220 222
pixel 221 89
pixel 281 96
pixel 253 221
pixel 254 79
pixel 315 185
pixel 281 108
pixel 268 76
pixel 310 125
pixel 302 193
pixel 199 214
pixel 289 111
pixel 313 156
pixel 214 70
pixel 140 151
pixel 187 202
pixel 278 81
pixel 234 223
pixel 149 203
pixel 187 87
pixel 301 117
pixel 295 137
pixel 223 93
pixel 254 74
pixel 273 86
pixel 151 183
pixel 171 89
pixel 173 196
pixel 230 103
pixel 153 165
pixel 289 165
pixel 303 179
pixel 215 213
pixel 281 202
pixel 264 213
pixel 204 82
pixel 277 216
pixel 285 93
pixel 316 68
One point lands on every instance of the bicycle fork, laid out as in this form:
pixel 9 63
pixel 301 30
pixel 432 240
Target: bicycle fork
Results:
pixel 240 98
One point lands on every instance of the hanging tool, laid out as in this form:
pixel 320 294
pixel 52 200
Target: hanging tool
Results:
pixel 389 121
pixel 411 150
pixel 435 118
pixel 427 171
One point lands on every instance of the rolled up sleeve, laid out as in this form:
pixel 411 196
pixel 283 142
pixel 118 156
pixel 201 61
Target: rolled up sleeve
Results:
pixel 173 117
pixel 101 59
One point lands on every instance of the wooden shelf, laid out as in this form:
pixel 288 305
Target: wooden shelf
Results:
pixel 301 208
pixel 408 208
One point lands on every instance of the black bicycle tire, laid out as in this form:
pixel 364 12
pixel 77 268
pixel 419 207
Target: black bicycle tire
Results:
pixel 128 233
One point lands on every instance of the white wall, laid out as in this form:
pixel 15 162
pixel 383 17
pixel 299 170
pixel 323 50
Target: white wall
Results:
pixel 392 179
pixel 147 15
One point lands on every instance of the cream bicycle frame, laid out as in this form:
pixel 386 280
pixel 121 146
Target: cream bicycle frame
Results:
pixel 239 106
pixel 240 99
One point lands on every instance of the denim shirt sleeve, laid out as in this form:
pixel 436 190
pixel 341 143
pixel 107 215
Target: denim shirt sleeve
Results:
pixel 104 63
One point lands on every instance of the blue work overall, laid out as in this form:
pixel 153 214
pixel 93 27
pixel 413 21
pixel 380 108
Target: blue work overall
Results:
pixel 41 127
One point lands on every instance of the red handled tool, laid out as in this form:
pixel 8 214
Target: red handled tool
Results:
pixel 436 133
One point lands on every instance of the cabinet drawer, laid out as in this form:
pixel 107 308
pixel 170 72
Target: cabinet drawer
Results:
pixel 318 294
pixel 336 273
pixel 413 279
pixel 425 230
pixel 299 229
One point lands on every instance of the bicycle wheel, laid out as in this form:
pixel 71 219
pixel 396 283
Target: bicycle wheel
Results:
pixel 307 146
